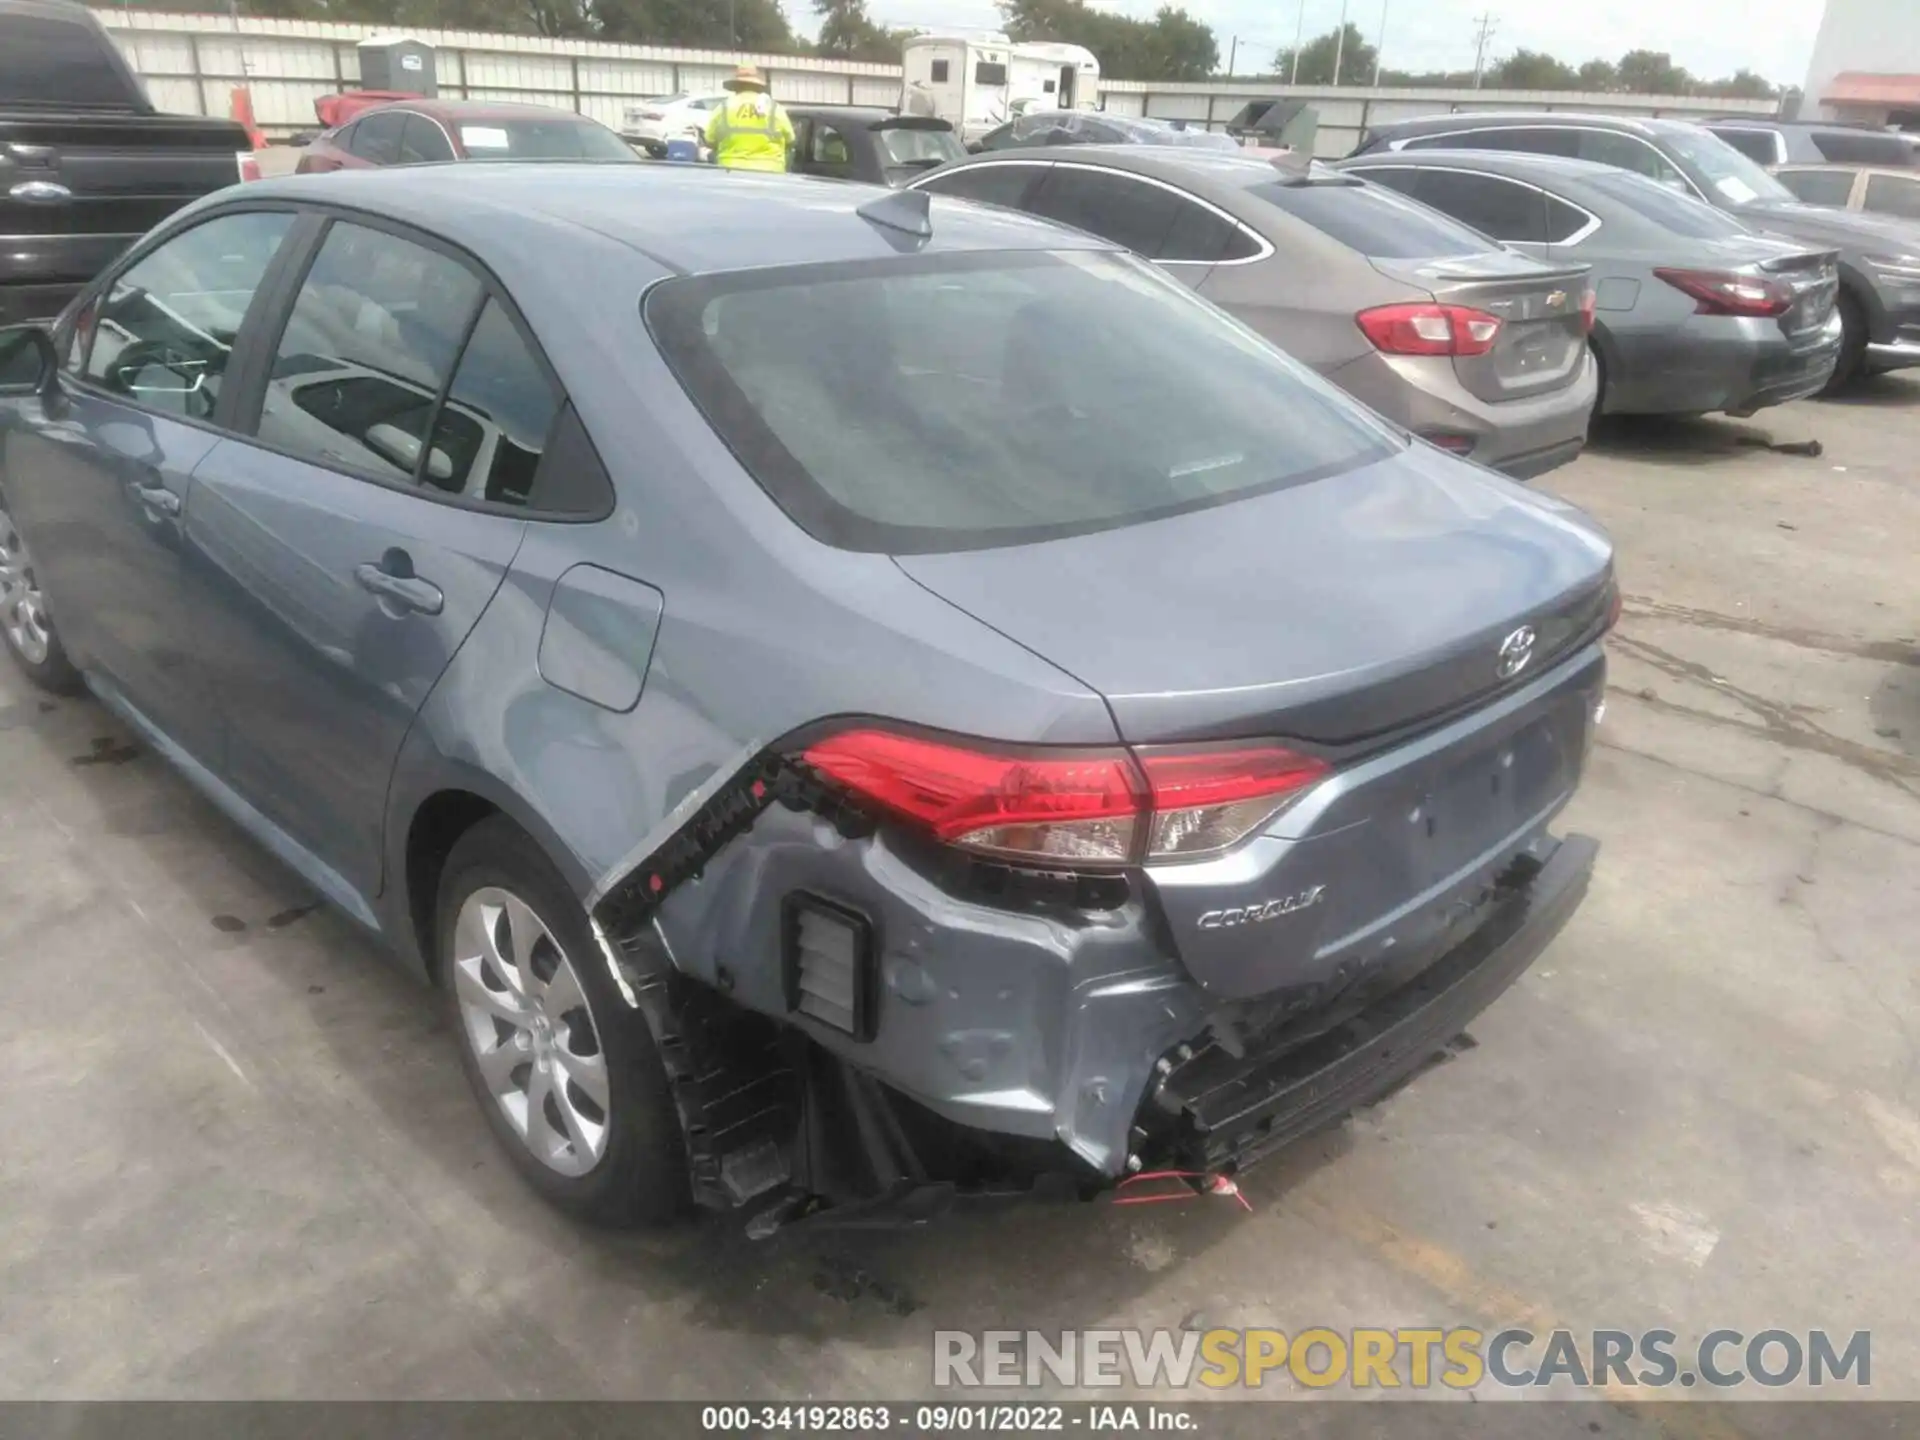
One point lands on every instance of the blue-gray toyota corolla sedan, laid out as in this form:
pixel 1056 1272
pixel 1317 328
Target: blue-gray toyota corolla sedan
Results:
pixel 857 702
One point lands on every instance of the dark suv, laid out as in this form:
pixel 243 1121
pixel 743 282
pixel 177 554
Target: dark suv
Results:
pixel 1806 142
pixel 1879 256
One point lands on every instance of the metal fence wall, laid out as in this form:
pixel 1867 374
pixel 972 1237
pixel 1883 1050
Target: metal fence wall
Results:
pixel 191 64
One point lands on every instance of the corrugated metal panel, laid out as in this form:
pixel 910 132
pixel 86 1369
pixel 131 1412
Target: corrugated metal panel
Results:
pixel 1177 107
pixel 518 72
pixel 626 77
pixel 1124 104
pixel 806 87
pixel 180 97
pixel 1332 142
pixel 609 110
pixel 873 91
pixel 703 79
pixel 288 103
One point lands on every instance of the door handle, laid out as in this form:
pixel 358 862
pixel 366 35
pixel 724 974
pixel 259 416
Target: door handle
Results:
pixel 158 499
pixel 409 592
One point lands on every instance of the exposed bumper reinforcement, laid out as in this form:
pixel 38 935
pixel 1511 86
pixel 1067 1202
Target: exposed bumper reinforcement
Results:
pixel 1221 1112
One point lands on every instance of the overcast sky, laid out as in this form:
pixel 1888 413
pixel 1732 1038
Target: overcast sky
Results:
pixel 1709 37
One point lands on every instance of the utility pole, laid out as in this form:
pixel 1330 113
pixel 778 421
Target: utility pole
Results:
pixel 1380 50
pixel 1233 53
pixel 1339 42
pixel 1299 33
pixel 1486 24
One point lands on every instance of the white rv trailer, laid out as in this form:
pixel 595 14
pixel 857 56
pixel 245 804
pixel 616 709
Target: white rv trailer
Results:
pixel 981 79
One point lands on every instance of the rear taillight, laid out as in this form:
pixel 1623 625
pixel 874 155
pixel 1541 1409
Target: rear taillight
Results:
pixel 1588 303
pixel 1616 602
pixel 248 164
pixel 1428 329
pixel 1726 293
pixel 1100 807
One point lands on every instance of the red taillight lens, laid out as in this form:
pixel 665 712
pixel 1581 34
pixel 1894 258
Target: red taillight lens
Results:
pixel 1721 293
pixel 1615 604
pixel 1099 807
pixel 1588 303
pixel 1429 329
pixel 248 164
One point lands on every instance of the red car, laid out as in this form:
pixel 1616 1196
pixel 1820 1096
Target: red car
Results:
pixel 415 132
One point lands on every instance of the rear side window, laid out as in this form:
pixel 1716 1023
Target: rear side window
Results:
pixel 1894 195
pixel 1862 147
pixel 994 398
pixel 1761 145
pixel 1819 187
pixel 490 433
pixel 992 184
pixel 165 332
pixel 1199 236
pixel 1373 220
pixel 60 64
pixel 1126 211
pixel 541 140
pixel 373 337
pixel 422 142
pixel 1488 203
pixel 377 137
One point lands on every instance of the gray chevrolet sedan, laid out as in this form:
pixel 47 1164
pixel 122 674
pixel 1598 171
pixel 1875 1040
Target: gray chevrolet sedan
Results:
pixel 858 704
pixel 1694 312
pixel 1470 346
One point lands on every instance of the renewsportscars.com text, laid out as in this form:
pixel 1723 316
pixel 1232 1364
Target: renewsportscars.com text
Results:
pixel 1369 1359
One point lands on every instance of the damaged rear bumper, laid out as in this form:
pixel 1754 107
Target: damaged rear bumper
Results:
pixel 1218 1111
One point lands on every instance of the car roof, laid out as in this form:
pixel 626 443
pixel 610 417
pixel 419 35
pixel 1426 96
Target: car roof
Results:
pixel 1198 170
pixel 1480 119
pixel 1519 163
pixel 455 111
pixel 695 219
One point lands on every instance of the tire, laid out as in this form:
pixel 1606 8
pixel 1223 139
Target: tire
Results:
pixel 509 934
pixel 24 621
pixel 1599 385
pixel 1853 346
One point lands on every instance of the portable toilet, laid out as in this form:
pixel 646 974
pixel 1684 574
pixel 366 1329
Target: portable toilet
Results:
pixel 397 62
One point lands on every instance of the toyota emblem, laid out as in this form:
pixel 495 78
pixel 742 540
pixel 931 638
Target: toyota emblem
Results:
pixel 1515 651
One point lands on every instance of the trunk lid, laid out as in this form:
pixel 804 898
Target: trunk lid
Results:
pixel 1542 339
pixel 1814 277
pixel 1332 611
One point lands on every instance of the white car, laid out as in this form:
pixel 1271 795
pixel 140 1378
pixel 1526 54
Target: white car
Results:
pixel 651 123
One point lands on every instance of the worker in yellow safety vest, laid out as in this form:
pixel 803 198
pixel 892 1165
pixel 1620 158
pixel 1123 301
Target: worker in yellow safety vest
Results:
pixel 750 131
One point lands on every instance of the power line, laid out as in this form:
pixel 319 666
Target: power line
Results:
pixel 1485 25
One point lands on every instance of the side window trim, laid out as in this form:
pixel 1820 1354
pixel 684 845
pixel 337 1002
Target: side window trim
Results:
pixel 270 326
pixel 222 420
pixel 931 181
pixel 1585 232
pixel 413 115
pixel 1265 246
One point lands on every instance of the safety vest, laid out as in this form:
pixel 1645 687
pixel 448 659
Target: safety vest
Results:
pixel 750 132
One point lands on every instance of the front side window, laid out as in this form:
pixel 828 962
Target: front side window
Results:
pixel 1894 195
pixel 1380 223
pixel 372 339
pixel 1726 175
pixel 1833 188
pixel 1629 152
pixel 163 335
pixel 995 398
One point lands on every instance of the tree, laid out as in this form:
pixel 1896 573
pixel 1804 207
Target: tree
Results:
pixel 1317 56
pixel 1530 70
pixel 1744 85
pixel 757 25
pixel 1598 75
pixel 1171 46
pixel 1652 72
pixel 847 30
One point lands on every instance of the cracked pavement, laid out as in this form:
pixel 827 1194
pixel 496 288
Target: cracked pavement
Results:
pixel 239 1160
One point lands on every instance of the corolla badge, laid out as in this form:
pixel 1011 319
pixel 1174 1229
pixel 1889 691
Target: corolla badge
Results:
pixel 1270 910
pixel 1515 651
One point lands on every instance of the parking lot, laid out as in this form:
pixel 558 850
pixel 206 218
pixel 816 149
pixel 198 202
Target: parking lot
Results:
pixel 237 1157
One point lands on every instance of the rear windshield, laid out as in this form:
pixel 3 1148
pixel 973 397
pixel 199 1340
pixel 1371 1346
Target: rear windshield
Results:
pixel 957 401
pixel 59 64
pixel 541 140
pixel 906 150
pixel 1668 208
pixel 1378 222
pixel 1863 147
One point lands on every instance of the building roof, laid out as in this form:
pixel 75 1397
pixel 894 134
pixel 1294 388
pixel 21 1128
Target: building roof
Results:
pixel 1861 87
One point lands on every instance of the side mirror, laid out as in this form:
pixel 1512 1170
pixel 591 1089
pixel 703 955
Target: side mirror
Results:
pixel 28 362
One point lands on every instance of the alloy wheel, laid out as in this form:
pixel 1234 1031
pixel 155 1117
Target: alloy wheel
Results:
pixel 23 609
pixel 526 1018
